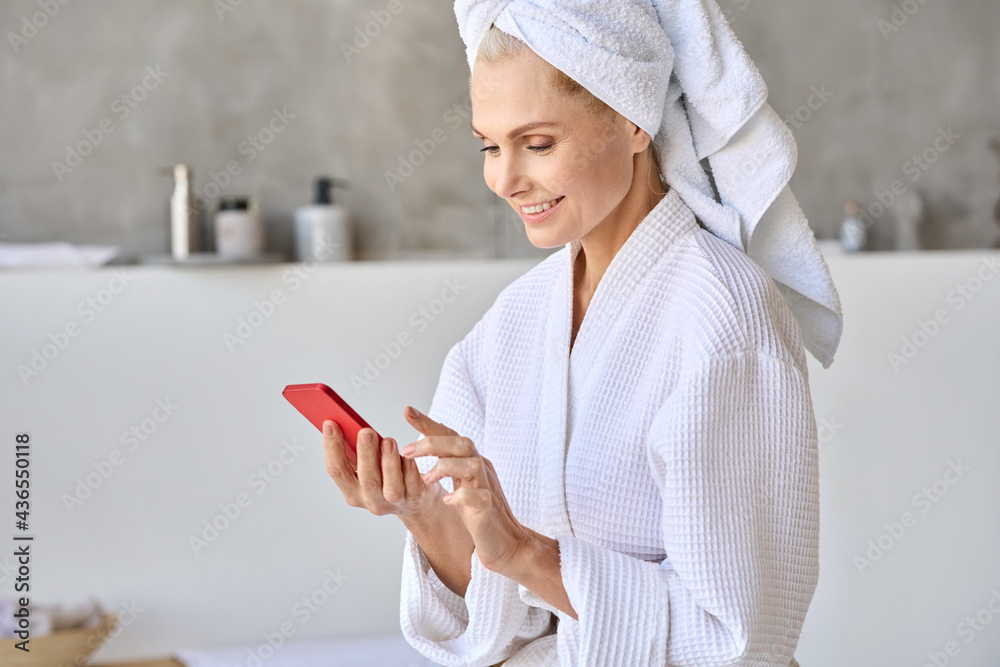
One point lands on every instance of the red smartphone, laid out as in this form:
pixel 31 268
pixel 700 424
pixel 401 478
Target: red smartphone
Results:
pixel 317 403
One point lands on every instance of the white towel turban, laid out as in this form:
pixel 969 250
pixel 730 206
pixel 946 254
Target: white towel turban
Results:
pixel 639 57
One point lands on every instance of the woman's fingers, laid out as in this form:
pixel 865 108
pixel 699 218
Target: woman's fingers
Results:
pixel 425 424
pixel 468 471
pixel 414 484
pixel 383 482
pixel 369 468
pixel 441 446
pixel 470 498
pixel 393 486
pixel 338 467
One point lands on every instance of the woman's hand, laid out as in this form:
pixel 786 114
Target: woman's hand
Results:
pixel 499 538
pixel 389 484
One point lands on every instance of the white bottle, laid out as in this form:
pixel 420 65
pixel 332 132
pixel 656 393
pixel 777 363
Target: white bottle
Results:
pixel 183 216
pixel 853 236
pixel 322 230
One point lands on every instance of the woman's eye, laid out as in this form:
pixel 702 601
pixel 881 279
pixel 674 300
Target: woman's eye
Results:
pixel 493 149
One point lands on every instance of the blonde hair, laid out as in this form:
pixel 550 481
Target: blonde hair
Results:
pixel 498 46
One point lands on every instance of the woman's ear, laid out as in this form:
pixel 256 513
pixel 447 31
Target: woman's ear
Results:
pixel 640 139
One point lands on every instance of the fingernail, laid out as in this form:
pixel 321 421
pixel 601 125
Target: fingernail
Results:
pixel 387 446
pixel 409 449
pixel 368 438
pixel 328 427
pixel 412 413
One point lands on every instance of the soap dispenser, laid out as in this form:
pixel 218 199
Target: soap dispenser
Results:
pixel 322 230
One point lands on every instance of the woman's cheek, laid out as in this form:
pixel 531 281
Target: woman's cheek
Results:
pixel 566 175
pixel 596 151
pixel 585 165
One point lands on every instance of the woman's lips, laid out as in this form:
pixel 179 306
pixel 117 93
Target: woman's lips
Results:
pixel 538 217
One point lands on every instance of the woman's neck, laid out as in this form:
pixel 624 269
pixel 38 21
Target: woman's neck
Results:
pixel 604 241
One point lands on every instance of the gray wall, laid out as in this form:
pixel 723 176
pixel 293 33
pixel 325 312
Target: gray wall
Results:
pixel 224 76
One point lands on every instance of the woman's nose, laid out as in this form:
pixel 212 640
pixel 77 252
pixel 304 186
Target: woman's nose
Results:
pixel 508 178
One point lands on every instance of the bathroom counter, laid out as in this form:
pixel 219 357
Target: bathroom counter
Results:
pixel 166 460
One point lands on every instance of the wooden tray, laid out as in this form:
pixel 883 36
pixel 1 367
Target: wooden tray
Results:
pixel 63 648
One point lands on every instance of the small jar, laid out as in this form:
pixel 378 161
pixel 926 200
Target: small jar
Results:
pixel 239 230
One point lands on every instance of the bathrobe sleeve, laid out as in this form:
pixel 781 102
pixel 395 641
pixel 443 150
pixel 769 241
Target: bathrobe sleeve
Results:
pixel 734 453
pixel 491 622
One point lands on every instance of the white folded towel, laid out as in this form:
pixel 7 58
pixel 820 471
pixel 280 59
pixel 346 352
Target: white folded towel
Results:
pixel 46 619
pixel 55 254
pixel 640 57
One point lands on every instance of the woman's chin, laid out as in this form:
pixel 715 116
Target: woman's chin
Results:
pixel 543 239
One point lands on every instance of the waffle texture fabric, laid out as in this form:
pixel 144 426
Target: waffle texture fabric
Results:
pixel 671 451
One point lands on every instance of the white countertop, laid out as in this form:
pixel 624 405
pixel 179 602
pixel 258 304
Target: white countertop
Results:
pixel 149 336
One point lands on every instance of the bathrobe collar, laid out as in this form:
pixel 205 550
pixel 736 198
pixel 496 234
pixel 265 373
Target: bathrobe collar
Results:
pixel 564 373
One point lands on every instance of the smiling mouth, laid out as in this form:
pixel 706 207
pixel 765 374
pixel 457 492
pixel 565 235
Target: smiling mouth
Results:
pixel 536 210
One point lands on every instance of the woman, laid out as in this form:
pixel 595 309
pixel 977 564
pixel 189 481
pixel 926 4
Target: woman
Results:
pixel 620 459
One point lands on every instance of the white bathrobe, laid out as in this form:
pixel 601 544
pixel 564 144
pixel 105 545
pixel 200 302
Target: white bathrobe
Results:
pixel 672 453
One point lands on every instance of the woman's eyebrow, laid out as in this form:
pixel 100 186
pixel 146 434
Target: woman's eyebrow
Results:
pixel 517 131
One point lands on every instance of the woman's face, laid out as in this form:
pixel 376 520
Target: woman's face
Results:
pixel 586 162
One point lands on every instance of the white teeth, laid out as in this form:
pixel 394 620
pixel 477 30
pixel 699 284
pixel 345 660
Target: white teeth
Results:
pixel 540 207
